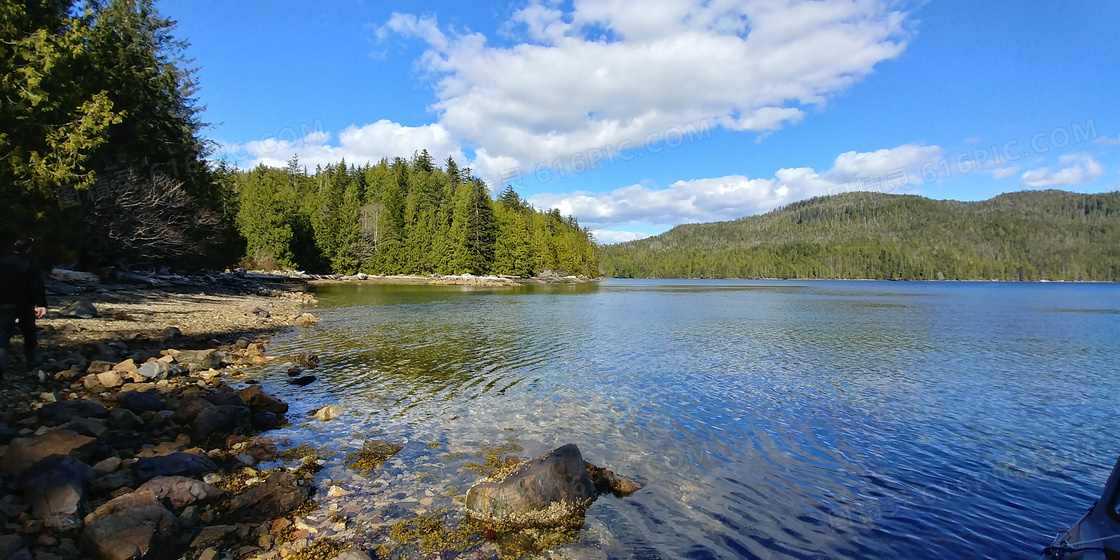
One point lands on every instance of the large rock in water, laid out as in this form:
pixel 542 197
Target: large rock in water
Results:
pixel 275 497
pixel 545 491
pixel 126 527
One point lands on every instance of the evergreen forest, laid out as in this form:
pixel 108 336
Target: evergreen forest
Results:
pixel 1024 236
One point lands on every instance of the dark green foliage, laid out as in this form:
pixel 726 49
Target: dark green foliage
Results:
pixel 1032 235
pixel 404 217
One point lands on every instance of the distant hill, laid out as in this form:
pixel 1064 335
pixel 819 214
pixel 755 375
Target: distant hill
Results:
pixel 1030 235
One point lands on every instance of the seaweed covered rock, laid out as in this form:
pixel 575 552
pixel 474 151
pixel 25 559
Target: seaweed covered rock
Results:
pixel 545 491
pixel 280 493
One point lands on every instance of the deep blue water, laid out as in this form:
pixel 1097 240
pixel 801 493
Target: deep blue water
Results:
pixel 770 419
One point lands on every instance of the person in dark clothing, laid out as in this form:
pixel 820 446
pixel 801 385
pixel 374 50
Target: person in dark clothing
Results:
pixel 22 299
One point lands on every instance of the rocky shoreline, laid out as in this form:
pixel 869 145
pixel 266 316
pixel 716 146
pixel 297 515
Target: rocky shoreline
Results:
pixel 141 436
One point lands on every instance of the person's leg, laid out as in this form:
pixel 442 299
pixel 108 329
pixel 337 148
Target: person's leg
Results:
pixel 7 329
pixel 30 337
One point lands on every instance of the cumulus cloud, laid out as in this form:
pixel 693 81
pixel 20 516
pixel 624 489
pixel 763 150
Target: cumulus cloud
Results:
pixel 608 237
pixel 1084 169
pixel 1004 172
pixel 1108 141
pixel 602 72
pixel 735 196
pixel 357 145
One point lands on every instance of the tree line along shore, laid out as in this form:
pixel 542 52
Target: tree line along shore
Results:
pixel 1024 236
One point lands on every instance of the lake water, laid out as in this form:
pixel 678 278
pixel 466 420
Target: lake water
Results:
pixel 769 419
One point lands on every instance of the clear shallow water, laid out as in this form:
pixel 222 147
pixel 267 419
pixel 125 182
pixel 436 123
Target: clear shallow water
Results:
pixel 769 419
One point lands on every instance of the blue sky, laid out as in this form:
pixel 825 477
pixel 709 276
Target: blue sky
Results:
pixel 638 115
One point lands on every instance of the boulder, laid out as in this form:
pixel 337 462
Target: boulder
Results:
pixel 22 453
pixel 216 423
pixel 63 411
pixel 181 491
pixel 125 419
pixel 109 483
pixel 307 359
pixel 55 488
pixel 99 366
pixel 126 366
pixel 82 309
pixel 171 333
pixel 205 359
pixel 189 408
pixel 329 412
pixel 179 463
pixel 275 497
pixel 306 320
pixel 260 401
pixel 263 421
pixel 153 370
pixel 109 379
pixel 261 449
pixel 86 427
pixel 606 481
pixel 140 402
pixel 303 381
pixel 126 527
pixel 545 491
pixel 225 398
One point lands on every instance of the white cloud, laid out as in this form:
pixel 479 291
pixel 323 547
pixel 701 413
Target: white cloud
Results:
pixel 734 196
pixel 607 236
pixel 1108 141
pixel 357 145
pixel 602 72
pixel 1084 170
pixel 1004 172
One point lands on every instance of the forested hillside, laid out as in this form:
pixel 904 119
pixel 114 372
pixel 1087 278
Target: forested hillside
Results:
pixel 399 217
pixel 1032 235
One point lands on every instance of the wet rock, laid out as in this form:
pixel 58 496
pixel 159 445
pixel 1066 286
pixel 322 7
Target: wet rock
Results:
pixel 261 449
pixel 545 491
pixel 81 309
pixel 226 398
pixel 55 488
pixel 140 402
pixel 329 412
pixel 295 371
pixel 303 381
pixel 218 422
pixel 260 401
pixel 264 421
pixel 308 359
pixel 305 320
pixel 64 411
pixel 126 527
pixel 607 482
pixel 181 491
pixel 125 419
pixel 22 453
pixel 180 463
pixel 276 496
